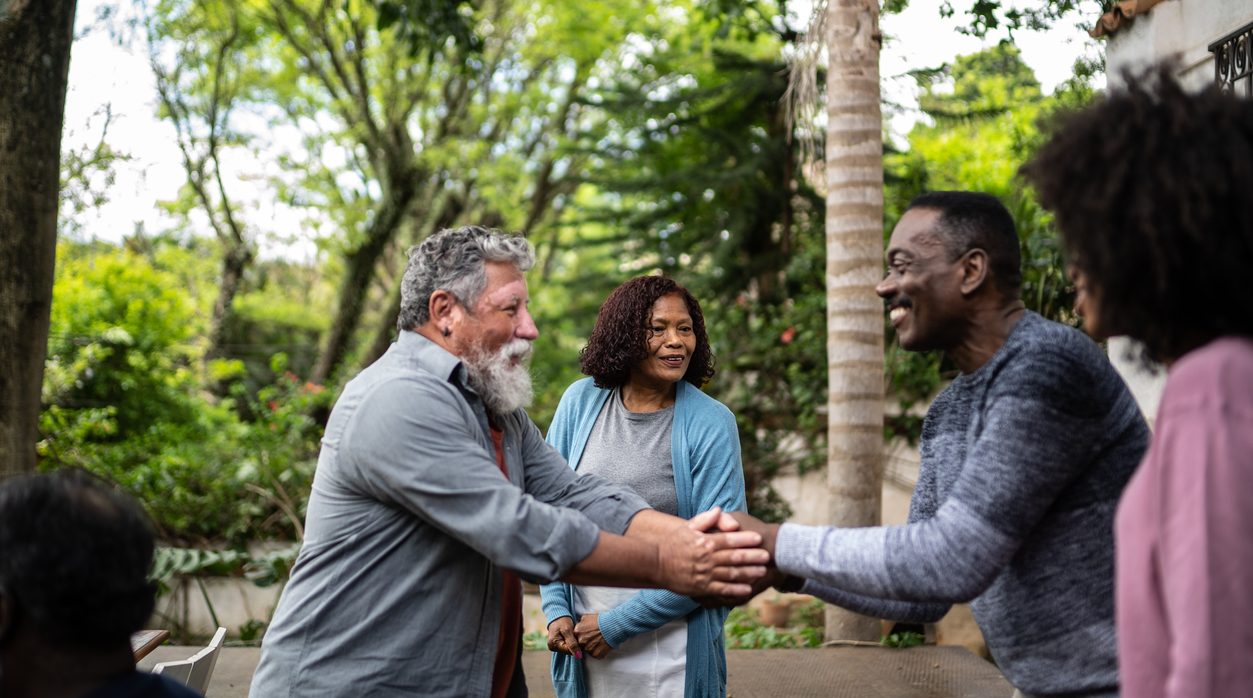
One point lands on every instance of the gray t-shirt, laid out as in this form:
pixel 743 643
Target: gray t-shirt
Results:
pixel 633 449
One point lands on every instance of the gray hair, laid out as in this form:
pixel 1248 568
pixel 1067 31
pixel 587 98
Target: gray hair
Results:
pixel 452 260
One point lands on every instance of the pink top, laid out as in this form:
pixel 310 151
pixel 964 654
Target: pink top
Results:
pixel 1184 535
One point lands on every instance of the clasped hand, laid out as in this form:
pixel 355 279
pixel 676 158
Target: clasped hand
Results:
pixel 711 556
pixel 566 637
pixel 773 576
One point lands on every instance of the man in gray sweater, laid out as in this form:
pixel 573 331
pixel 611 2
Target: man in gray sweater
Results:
pixel 1023 458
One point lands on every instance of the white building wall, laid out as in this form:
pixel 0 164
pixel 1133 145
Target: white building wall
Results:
pixel 1177 29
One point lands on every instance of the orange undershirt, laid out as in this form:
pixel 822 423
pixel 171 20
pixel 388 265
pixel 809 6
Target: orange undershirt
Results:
pixel 510 605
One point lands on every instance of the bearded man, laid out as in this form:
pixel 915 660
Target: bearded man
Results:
pixel 435 493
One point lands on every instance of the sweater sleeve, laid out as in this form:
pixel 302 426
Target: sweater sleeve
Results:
pixel 717 481
pixel 1039 427
pixel 904 611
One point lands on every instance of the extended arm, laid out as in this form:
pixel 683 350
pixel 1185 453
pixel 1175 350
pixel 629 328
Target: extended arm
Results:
pixel 683 558
pixel 435 464
pixel 1039 426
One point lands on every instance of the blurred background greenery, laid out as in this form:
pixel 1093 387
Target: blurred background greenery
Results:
pixel 197 369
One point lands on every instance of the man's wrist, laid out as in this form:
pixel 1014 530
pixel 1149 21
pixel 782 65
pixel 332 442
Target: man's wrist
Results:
pixel 768 538
pixel 658 566
pixel 650 524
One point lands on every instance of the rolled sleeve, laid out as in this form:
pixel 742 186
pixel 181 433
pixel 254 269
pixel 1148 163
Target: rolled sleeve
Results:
pixel 550 479
pixel 431 461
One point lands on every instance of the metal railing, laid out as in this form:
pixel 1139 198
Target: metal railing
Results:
pixel 1233 61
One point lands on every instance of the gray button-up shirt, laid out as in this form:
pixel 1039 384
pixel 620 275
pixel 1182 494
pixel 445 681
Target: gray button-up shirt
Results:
pixel 396 590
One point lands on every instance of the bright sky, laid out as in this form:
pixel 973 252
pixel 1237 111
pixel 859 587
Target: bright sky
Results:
pixel 104 71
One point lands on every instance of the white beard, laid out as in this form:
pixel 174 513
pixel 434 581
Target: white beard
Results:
pixel 503 384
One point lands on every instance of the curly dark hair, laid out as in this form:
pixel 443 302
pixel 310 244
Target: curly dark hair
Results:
pixel 619 341
pixel 1151 190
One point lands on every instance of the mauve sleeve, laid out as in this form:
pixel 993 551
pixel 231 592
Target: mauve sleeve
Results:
pixel 1206 548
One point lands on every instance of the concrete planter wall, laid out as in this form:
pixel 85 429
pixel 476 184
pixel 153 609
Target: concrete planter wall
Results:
pixel 235 600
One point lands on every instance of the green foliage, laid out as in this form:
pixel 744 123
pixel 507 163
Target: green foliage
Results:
pixel 902 640
pixel 694 164
pixel 986 16
pixel 744 632
pixel 535 640
pixel 174 564
pixel 430 26
pixel 169 563
pixel 117 344
pixel 250 632
pixel 123 400
pixel 272 567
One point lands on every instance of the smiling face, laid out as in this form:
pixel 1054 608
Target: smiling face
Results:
pixel 671 337
pixel 922 288
pixel 494 341
pixel 498 317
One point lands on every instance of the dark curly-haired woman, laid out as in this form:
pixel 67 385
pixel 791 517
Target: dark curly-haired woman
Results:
pixel 1152 188
pixel 641 419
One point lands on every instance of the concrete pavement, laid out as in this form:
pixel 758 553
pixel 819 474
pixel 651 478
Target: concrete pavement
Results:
pixel 852 672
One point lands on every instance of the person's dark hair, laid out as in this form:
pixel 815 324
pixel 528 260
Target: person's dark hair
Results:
pixel 75 554
pixel 619 340
pixel 971 219
pixel 1151 190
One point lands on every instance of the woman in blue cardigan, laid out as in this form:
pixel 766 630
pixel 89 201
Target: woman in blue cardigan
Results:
pixel 641 419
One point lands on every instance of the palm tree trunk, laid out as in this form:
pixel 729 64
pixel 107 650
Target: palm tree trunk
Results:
pixel 34 67
pixel 854 172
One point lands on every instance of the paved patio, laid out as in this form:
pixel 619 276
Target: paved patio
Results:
pixel 852 672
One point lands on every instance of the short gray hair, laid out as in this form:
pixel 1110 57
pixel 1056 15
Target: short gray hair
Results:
pixel 453 260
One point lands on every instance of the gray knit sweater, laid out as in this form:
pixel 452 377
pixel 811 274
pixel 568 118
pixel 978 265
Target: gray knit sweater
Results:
pixel 1023 462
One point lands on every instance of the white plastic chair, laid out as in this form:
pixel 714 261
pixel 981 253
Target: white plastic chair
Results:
pixel 196 669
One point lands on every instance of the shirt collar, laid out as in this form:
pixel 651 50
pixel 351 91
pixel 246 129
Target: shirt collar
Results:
pixel 431 357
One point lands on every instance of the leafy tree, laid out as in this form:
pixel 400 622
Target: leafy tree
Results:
pixel 692 170
pixel 985 16
pixel 198 83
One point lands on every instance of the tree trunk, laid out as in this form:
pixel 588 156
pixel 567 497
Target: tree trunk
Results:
pixel 34 66
pixel 854 171
pixel 358 273
pixel 235 260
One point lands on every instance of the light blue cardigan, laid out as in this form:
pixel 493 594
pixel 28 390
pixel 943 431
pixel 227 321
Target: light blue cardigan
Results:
pixel 705 450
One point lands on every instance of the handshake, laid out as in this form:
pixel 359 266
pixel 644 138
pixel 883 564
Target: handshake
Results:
pixel 717 558
pixel 720 558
